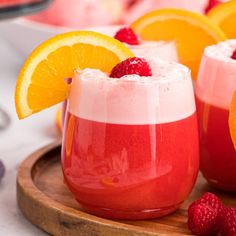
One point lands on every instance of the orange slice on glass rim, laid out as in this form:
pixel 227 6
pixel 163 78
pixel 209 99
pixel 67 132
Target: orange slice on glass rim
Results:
pixel 41 82
pixel 232 119
pixel 191 32
pixel 224 15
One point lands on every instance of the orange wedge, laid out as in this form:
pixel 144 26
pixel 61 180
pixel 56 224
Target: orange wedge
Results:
pixel 41 82
pixel 191 32
pixel 224 15
pixel 232 119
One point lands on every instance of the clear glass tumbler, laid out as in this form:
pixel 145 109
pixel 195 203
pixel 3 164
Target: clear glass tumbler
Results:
pixel 215 86
pixel 130 145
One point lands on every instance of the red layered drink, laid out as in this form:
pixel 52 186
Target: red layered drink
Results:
pixel 214 89
pixel 130 145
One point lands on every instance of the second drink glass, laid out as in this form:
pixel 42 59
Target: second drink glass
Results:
pixel 214 89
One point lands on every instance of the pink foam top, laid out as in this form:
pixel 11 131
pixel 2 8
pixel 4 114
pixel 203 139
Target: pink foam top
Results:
pixel 165 50
pixel 217 75
pixel 166 96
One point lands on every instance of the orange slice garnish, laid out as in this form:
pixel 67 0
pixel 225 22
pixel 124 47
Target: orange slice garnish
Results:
pixel 224 15
pixel 232 119
pixel 41 81
pixel 191 32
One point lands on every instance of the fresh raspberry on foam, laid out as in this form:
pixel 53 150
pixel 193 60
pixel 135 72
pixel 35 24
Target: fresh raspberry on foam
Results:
pixel 133 65
pixel 127 35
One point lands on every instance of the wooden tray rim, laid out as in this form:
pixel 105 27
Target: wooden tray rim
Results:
pixel 26 186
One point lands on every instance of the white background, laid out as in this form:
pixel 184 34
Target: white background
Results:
pixel 17 142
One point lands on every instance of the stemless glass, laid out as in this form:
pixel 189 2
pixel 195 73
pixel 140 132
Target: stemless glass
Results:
pixel 130 147
pixel 215 86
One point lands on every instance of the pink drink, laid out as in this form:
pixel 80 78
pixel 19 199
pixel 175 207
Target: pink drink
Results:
pixel 214 89
pixel 130 145
pixel 147 49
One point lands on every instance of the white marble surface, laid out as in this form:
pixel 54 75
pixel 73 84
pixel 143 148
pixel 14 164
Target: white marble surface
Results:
pixel 16 143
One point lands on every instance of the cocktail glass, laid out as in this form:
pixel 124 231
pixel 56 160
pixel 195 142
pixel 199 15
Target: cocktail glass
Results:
pixel 214 89
pixel 130 145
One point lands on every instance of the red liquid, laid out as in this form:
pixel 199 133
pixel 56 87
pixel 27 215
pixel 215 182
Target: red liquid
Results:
pixel 218 156
pixel 130 171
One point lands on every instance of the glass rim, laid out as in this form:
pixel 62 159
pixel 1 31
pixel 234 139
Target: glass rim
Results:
pixel 221 59
pixel 230 61
pixel 141 80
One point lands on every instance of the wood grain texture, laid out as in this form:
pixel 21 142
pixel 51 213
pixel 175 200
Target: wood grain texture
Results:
pixel 45 200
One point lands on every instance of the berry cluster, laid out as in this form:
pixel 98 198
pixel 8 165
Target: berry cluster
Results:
pixel 209 216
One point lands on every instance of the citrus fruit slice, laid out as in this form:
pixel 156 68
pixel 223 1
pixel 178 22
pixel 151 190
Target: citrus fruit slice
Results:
pixel 41 82
pixel 224 15
pixel 232 119
pixel 191 32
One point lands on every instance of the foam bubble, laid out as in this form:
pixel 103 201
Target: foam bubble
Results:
pixel 216 81
pixel 166 96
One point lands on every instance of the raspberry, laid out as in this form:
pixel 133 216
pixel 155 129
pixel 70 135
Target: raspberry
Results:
pixel 204 214
pixel 211 4
pixel 234 55
pixel 127 35
pixel 211 200
pixel 201 219
pixel 227 222
pixel 134 65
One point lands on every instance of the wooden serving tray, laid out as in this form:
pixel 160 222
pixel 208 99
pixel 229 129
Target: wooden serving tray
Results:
pixel 45 200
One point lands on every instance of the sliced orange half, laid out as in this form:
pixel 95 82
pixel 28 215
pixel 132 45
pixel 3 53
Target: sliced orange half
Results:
pixel 41 82
pixel 224 15
pixel 232 119
pixel 191 32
